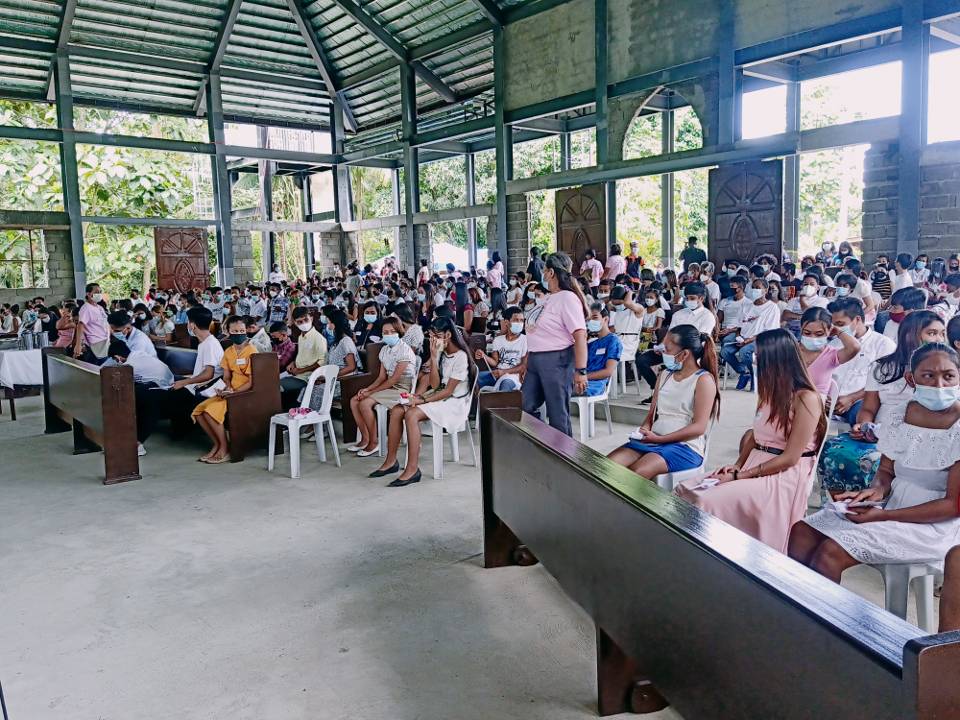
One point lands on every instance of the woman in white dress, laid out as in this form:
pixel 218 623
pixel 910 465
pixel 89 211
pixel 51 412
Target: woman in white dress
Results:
pixel 910 512
pixel 627 320
pixel 443 397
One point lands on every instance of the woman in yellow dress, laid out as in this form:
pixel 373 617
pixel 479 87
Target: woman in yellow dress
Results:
pixel 238 376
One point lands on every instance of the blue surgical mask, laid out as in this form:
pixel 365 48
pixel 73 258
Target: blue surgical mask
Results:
pixel 594 326
pixel 516 328
pixel 691 304
pixel 936 399
pixel 846 329
pixel 370 317
pixel 421 297
pixel 842 291
pixel 670 362
pixel 731 272
pixel 391 340
pixel 754 293
pixel 119 336
pixel 814 343
pixel 921 264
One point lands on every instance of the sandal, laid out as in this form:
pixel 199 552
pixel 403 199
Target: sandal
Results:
pixel 218 459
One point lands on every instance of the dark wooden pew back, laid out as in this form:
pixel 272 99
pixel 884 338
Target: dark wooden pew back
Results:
pixel 352 384
pixel 719 623
pixel 249 412
pixel 98 404
pixel 180 360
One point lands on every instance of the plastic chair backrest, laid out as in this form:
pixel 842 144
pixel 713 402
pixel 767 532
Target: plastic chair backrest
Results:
pixel 832 395
pixel 307 396
pixel 706 441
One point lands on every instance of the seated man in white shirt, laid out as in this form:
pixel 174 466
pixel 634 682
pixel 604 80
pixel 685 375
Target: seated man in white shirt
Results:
pixel 762 315
pixel 122 329
pixel 150 375
pixel 808 297
pixel 731 310
pixel 848 316
pixel 693 313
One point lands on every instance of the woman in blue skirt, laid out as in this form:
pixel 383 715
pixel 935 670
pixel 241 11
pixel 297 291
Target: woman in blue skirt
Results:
pixel 685 400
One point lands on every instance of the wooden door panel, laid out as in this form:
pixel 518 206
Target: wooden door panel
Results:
pixel 582 222
pixel 181 255
pixel 746 211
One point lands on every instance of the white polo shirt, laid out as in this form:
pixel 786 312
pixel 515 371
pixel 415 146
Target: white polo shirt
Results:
pixel 701 318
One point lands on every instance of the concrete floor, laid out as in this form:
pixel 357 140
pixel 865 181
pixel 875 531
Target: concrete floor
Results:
pixel 229 593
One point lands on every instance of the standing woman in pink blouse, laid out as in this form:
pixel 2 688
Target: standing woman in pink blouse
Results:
pixel 557 345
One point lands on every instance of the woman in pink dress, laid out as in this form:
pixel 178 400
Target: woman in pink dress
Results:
pixel 765 492
pixel 817 352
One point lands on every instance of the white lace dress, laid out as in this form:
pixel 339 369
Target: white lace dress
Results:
pixel 922 459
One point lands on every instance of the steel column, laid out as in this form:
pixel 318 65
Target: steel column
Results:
pixel 68 169
pixel 265 169
pixel 603 137
pixel 222 185
pixel 666 192
pixel 470 197
pixel 915 42
pixel 342 204
pixel 411 164
pixel 791 175
pixel 397 197
pixel 504 143
pixel 306 207
pixel 727 127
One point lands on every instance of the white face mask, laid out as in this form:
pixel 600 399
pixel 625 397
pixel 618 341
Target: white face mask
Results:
pixel 650 302
pixel 540 300
pixel 97 297
pixel 808 291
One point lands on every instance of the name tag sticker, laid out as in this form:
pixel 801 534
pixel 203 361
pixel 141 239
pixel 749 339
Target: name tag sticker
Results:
pixel 241 362
pixel 601 351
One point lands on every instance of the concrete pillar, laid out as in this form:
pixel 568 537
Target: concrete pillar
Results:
pixel 243 263
pixel 518 233
pixel 420 246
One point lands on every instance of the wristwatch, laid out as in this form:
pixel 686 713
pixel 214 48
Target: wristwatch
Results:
pixel 581 371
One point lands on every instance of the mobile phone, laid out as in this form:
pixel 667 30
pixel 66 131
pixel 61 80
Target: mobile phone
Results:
pixel 867 503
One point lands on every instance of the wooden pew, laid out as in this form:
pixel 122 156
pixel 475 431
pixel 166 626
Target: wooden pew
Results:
pixel 352 384
pixel 98 404
pixel 691 609
pixel 249 412
pixel 181 338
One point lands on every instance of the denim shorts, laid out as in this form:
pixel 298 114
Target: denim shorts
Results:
pixel 677 456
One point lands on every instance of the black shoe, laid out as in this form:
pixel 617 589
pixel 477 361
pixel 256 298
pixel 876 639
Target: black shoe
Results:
pixel 389 471
pixel 415 478
pixel 647 400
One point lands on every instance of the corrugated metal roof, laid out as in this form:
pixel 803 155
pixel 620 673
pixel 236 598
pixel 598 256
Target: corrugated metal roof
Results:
pixel 151 55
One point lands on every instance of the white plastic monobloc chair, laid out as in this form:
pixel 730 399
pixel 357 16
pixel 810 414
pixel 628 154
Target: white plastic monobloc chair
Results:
pixel 585 410
pixel 318 419
pixel 438 432
pixel 831 402
pixel 621 376
pixel 668 481
pixel 897 578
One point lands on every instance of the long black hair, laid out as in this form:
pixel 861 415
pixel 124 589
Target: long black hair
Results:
pixel 341 324
pixel 890 368
pixel 781 373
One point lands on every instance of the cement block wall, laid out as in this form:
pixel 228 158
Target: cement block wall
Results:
pixel 60 277
pixel 939 201
pixel 244 268
pixel 423 249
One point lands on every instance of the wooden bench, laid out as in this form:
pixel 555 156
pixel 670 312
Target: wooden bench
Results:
pixel 691 609
pixel 98 404
pixel 352 384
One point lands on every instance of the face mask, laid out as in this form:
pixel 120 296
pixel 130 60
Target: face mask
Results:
pixel 97 297
pixel 539 301
pixel 513 283
pixel 421 297
pixel 766 268
pixel 315 297
pixel 808 291
pixel 516 328
pixel 370 318
pixel 731 272
pixel 843 292
pixel 251 333
pixel 813 343
pixel 954 268
pixel 936 399
pixel 603 296
pixel 273 293
pixel 594 326
pixel 650 302
pixel 190 331
pixel 670 362
pixel 846 329
pixel 532 295
pixel 391 340
pixel 141 316
pixel 691 304
pixel 238 338
pixel 921 264
pixel 119 336
pixel 754 293
pixel 304 327
pixel 898 317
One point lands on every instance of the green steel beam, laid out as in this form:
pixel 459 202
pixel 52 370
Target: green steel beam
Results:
pixel 548 107
pixel 306 210
pixel 470 199
pixel 915 43
pixel 146 143
pixel 343 207
pixel 503 141
pixel 491 11
pixel 521 12
pixel 666 76
pixel 666 192
pixel 68 169
pixel 13 132
pixel 63 37
pixel 450 40
pixel 222 201
pixel 230 16
pixel 411 163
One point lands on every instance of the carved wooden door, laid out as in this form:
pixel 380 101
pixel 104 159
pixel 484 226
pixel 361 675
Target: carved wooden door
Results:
pixel 582 222
pixel 181 258
pixel 746 211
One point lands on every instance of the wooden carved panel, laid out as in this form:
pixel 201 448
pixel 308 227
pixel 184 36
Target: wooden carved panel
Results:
pixel 582 222
pixel 181 258
pixel 746 211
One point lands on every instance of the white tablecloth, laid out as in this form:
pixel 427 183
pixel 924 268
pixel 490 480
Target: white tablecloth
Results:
pixel 20 367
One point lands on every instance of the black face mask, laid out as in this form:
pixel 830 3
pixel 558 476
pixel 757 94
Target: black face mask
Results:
pixel 238 338
pixel 251 333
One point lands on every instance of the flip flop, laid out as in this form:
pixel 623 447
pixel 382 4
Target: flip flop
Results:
pixel 218 460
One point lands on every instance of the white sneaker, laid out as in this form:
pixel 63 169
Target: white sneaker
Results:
pixel 141 450
pixel 367 453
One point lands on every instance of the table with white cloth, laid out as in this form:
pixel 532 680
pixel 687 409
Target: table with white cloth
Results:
pixel 21 374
